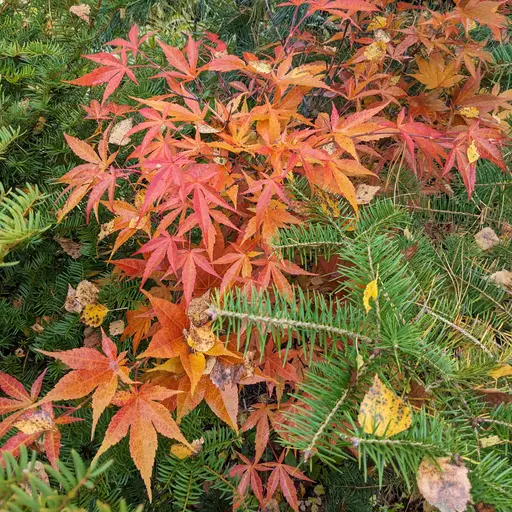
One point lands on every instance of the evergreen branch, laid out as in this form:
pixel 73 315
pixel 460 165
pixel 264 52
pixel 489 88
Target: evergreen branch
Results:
pixel 287 322
pixel 459 329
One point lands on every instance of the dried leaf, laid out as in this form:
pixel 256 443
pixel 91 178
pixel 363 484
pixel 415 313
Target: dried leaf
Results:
pixel 382 413
pixel 199 310
pixel 35 421
pixel 226 375
pixel 87 293
pixel 37 469
pixel 502 278
pixel 370 292
pixel 116 328
pixel 444 485
pixel 92 337
pixel 69 247
pixel 94 314
pixel 375 51
pixel 117 135
pixel 486 238
pixel 72 304
pixel 182 451
pixel 201 339
pixel 106 229
pixel 83 11
pixel 469 112
pixel 494 396
pixel 365 193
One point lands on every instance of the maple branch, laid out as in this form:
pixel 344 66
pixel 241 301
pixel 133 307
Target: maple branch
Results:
pixel 271 16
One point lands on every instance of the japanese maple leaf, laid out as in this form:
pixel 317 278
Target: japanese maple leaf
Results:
pixel 138 322
pixel 204 200
pixel 485 141
pixel 142 415
pixel 417 135
pixel 272 269
pixel 161 248
pixel 337 8
pixel 239 258
pixel 250 478
pixel 435 73
pixel 307 75
pixel 133 42
pixel 189 260
pixel 260 418
pixel 282 477
pixel 187 67
pixel 272 219
pixel 484 12
pixel 19 399
pixel 169 341
pixel 91 371
pixel 111 71
pixel 91 176
pixel 128 220
pixel 346 131
pixel 471 97
pixel 32 425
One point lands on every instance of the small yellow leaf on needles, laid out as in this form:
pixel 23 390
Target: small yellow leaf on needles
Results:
pixel 94 314
pixel 370 292
pixel 382 413
pixel 487 442
pixel 182 451
pixel 502 371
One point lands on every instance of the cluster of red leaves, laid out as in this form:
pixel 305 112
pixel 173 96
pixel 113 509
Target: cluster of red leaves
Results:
pixel 211 191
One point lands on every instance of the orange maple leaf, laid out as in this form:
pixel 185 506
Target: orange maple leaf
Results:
pixel 435 73
pixel 91 370
pixel 143 416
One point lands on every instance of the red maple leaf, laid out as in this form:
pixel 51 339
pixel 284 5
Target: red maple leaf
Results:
pixel 250 477
pixel 281 477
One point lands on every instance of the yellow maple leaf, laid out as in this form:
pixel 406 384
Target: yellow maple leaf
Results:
pixel 383 413
pixel 370 292
pixel 94 314
pixel 472 153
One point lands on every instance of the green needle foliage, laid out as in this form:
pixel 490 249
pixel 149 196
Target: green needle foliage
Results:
pixel 438 327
